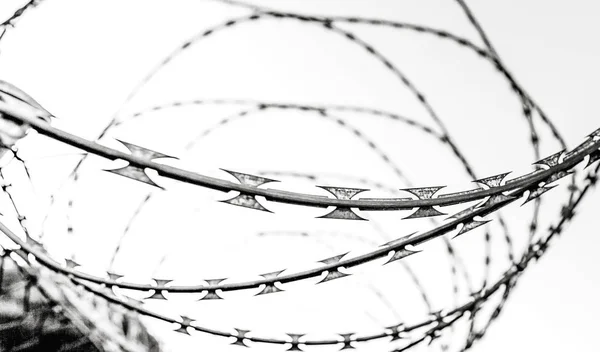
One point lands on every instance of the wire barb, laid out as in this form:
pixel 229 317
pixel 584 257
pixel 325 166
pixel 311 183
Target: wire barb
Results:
pixel 136 172
pixel 295 343
pixel 212 293
pixel 424 193
pixel 333 273
pixel 244 199
pixel 270 287
pixel 344 213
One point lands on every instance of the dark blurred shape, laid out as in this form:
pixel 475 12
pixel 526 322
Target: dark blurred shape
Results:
pixel 40 311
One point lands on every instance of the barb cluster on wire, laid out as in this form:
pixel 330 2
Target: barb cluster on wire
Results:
pixel 478 206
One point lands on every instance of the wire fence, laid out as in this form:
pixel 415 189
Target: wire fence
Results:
pixel 153 190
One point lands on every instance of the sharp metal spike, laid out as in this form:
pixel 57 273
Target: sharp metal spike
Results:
pixel 496 199
pixel 347 342
pixel 186 320
pixel 399 240
pixel 273 274
pixel 248 179
pixel 333 260
pixel 248 200
pixel 182 329
pixel 489 209
pixel 112 276
pixel 462 213
pixel 270 288
pixel 594 156
pixel 470 225
pixel 424 212
pixel 333 273
pixel 162 282
pixel 185 323
pixel 595 134
pixel 295 342
pixel 397 330
pixel 31 241
pixel 134 173
pixel 342 192
pixel 239 339
pixel 535 193
pixel 551 160
pixel 344 213
pixel 211 293
pixel 424 193
pixel 134 301
pixel 158 292
pixel 145 153
pixel 214 281
pixel 492 181
pixel 71 264
pixel 401 253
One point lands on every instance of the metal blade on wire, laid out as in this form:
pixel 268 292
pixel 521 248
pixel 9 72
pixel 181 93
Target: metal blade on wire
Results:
pixel 347 341
pixel 295 342
pixel 402 252
pixel 212 293
pixel 470 225
pixel 247 200
pixel 493 182
pixel 344 213
pixel 135 172
pixel 159 291
pixel 239 339
pixel 537 192
pixel 594 156
pixel 333 273
pixel 552 161
pixel 270 287
pixel 185 323
pixel 424 193
pixel 473 223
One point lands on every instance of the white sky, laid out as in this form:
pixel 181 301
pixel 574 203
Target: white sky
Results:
pixel 81 59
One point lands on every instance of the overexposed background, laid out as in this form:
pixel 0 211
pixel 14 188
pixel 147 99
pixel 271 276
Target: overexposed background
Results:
pixel 81 59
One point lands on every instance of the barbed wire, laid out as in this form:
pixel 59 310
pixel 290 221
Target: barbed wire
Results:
pixel 476 205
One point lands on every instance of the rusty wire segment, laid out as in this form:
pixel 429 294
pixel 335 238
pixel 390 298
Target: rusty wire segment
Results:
pixel 491 194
